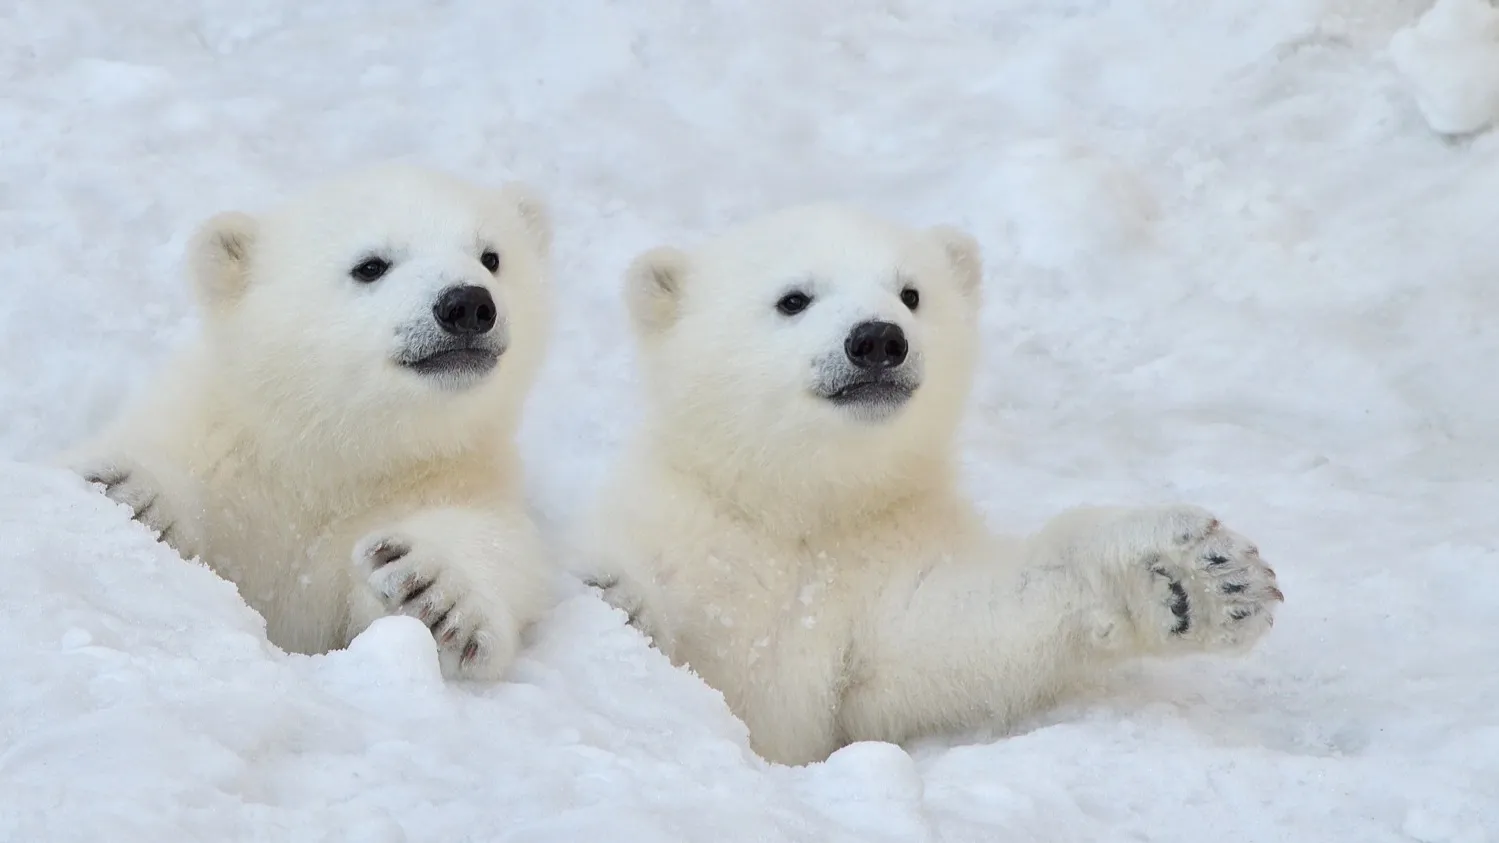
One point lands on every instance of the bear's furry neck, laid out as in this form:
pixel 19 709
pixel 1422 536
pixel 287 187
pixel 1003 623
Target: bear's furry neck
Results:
pixel 812 493
pixel 345 456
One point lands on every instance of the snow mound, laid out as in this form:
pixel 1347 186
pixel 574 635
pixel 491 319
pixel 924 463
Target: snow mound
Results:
pixel 1450 58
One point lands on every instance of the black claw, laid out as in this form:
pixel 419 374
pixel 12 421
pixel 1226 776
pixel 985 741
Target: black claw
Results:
pixel 470 650
pixel 385 553
pixel 437 621
pixel 150 513
pixel 1181 608
pixel 108 478
pixel 1234 587
pixel 146 507
pixel 417 591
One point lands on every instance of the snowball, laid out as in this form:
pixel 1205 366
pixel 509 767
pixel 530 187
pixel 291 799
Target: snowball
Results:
pixel 1450 58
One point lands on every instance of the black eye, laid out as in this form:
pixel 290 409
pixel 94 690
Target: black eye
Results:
pixel 491 260
pixel 370 270
pixel 793 303
pixel 910 298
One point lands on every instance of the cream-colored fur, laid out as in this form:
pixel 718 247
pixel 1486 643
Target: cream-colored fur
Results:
pixel 818 565
pixel 290 449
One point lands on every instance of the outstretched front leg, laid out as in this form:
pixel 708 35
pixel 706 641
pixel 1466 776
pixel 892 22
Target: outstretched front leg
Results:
pixel 1177 579
pixel 996 636
pixel 475 579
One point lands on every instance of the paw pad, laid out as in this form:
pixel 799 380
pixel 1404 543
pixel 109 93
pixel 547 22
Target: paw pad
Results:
pixel 1210 587
pixel 1181 606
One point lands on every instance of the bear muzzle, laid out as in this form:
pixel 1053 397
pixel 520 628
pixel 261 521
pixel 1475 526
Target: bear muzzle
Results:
pixel 461 343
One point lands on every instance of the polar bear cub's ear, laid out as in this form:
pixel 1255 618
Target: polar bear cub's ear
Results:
pixel 534 214
pixel 963 254
pixel 653 288
pixel 219 257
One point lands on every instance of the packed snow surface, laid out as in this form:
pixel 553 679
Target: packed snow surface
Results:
pixel 1229 262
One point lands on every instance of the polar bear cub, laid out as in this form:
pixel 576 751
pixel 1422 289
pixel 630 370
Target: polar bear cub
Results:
pixel 787 521
pixel 337 440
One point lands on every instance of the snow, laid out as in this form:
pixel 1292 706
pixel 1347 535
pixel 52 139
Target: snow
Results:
pixel 1230 260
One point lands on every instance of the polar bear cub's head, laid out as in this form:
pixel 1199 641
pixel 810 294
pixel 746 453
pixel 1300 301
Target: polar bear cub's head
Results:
pixel 396 298
pixel 817 336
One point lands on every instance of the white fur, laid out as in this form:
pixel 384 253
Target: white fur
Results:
pixel 822 570
pixel 287 450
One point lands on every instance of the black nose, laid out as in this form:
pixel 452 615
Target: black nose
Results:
pixel 465 310
pixel 876 345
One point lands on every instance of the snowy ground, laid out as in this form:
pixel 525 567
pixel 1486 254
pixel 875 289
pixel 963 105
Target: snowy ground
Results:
pixel 1242 253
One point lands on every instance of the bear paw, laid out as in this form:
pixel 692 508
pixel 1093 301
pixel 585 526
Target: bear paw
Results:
pixel 624 594
pixel 1207 588
pixel 414 579
pixel 127 483
pixel 618 595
